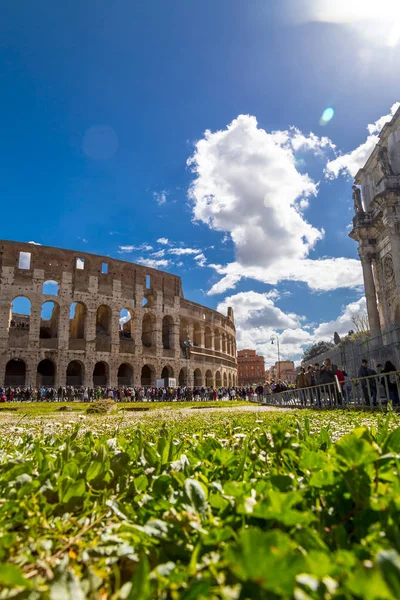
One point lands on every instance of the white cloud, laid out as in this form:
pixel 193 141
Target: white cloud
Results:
pixel 163 240
pixel 142 247
pixel 152 262
pixel 182 251
pixel 257 318
pixel 160 197
pixel 35 243
pixel 323 275
pixel 201 260
pixel 343 324
pixel 80 264
pixel 351 162
pixel 158 254
pixel 247 185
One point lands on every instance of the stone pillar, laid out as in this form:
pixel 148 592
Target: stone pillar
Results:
pixel 5 318
pixel 63 327
pixel 370 291
pixel 379 284
pixel 212 338
pixel 174 340
pixel 202 337
pixel 394 236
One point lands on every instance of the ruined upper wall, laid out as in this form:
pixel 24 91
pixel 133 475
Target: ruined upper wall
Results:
pixel 55 261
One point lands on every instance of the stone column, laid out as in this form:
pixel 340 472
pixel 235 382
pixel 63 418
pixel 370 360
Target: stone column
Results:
pixel 370 291
pixel 394 236
pixel 379 284
pixel 202 337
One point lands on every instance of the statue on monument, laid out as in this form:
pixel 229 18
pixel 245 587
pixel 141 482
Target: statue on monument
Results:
pixel 384 163
pixel 358 207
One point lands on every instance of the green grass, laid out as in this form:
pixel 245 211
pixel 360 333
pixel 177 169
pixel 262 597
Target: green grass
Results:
pixel 177 503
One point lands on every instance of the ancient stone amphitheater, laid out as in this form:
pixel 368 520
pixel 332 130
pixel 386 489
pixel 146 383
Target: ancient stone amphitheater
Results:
pixel 73 318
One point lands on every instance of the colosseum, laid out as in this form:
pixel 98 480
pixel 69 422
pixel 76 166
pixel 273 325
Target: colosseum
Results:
pixel 73 318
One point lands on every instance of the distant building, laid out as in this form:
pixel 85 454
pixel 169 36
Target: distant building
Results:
pixel 251 368
pixel 283 370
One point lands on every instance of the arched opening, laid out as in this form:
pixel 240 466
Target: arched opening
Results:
pixel 46 373
pixel 50 288
pixel 225 380
pixel 20 315
pixel 167 332
pixel 196 335
pixel 167 372
pixel 149 330
pixel 100 374
pixel 209 378
pixel 103 321
pixel 125 374
pixel 182 379
pixel 217 340
pixel 15 373
pixel 77 317
pixel 126 324
pixel 207 337
pixel 197 378
pixel 49 318
pixel 218 380
pixel 223 344
pixel 75 372
pixel 229 380
pixel 147 375
pixel 149 299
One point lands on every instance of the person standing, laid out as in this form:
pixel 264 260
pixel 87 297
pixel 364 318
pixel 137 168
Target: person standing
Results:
pixel 368 385
pixel 392 380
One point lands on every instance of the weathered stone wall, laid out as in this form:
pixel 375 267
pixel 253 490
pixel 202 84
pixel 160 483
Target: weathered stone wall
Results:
pixel 160 318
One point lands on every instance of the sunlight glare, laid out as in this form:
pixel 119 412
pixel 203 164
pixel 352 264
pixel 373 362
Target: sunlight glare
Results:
pixel 379 22
pixel 327 115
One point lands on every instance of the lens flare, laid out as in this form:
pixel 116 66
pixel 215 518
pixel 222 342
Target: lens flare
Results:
pixel 327 116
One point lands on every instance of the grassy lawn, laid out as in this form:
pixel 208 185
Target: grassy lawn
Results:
pixel 234 502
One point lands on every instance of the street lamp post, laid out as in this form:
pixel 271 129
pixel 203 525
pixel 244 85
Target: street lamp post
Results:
pixel 187 344
pixel 275 337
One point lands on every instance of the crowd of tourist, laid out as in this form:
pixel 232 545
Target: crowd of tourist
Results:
pixel 332 386
pixel 124 394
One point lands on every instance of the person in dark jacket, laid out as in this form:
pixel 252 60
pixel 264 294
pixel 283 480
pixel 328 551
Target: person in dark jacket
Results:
pixel 368 385
pixel 392 381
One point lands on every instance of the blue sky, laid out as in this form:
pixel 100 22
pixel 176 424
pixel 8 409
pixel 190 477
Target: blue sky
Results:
pixel 104 109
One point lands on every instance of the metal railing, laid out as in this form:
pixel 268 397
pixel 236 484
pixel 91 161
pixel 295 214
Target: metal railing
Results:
pixel 375 390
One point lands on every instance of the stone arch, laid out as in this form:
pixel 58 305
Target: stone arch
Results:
pixel 49 320
pixel 223 344
pixel 217 340
pixel 197 334
pixel 126 327
pixel 197 378
pixel 50 288
pixel 207 337
pixel 103 321
pixel 147 376
pixel 182 379
pixel 149 298
pixel 75 373
pixel 100 373
pixel 225 380
pixel 218 379
pixel 20 314
pixel 77 320
pixel 15 372
pixel 125 374
pixel 167 372
pixel 168 332
pixel 149 330
pixel 209 378
pixel 46 373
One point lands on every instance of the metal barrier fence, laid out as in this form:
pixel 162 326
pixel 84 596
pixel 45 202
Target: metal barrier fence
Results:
pixel 375 390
